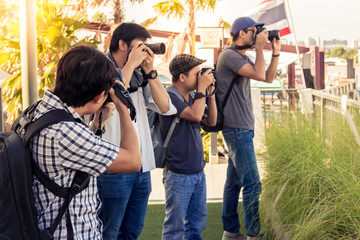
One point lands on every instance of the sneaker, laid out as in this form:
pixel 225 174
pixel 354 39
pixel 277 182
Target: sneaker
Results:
pixel 255 238
pixel 233 236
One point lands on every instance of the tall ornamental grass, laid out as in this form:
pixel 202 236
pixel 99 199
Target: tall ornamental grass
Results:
pixel 322 170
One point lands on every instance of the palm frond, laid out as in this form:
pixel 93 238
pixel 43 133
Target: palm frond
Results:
pixel 149 21
pixel 207 5
pixel 171 8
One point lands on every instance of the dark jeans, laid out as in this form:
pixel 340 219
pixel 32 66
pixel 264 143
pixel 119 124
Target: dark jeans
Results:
pixel 124 200
pixel 243 173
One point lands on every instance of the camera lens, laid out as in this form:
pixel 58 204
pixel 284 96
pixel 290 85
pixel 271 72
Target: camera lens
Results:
pixel 157 48
pixel 273 34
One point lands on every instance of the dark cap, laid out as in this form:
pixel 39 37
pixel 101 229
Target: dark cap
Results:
pixel 242 23
pixel 183 62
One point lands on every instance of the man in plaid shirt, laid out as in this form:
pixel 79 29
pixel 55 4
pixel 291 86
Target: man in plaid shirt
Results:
pixel 83 81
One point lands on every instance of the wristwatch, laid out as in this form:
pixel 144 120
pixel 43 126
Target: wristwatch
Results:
pixel 151 75
pixel 97 131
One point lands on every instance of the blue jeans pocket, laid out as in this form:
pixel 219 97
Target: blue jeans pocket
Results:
pixel 177 178
pixel 228 136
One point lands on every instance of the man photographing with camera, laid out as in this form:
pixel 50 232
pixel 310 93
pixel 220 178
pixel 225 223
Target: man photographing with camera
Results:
pixel 183 176
pixel 125 196
pixel 238 131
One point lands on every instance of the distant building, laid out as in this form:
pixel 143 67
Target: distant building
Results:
pixel 355 44
pixel 339 43
pixel 331 44
pixel 301 43
pixel 311 42
pixel 284 41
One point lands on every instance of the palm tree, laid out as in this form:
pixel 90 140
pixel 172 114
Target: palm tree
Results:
pixel 183 9
pixel 117 6
pixel 55 35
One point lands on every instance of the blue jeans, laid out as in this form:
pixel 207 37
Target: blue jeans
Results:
pixel 124 200
pixel 185 206
pixel 242 172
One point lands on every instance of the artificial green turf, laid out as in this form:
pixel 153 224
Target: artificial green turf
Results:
pixel 155 218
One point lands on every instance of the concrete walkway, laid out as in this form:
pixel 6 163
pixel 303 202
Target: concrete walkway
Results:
pixel 215 180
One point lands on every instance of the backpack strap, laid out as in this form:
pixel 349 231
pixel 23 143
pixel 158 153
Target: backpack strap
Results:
pixel 80 180
pixel 49 118
pixel 175 91
pixel 175 121
pixel 229 91
pixel 170 132
pixel 79 183
pixel 231 84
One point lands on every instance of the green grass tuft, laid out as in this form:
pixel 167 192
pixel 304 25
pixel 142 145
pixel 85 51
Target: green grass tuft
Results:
pixel 322 167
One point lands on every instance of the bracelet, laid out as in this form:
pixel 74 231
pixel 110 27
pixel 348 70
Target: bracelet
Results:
pixel 276 55
pixel 198 95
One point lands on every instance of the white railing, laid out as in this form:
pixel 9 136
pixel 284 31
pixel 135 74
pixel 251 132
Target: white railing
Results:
pixel 335 100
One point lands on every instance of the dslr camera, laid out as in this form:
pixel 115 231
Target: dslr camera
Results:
pixel 272 33
pixel 124 96
pixel 203 70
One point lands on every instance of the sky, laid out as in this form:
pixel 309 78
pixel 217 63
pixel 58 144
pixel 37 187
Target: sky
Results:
pixel 327 19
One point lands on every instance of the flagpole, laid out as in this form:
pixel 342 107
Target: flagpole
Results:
pixel 288 12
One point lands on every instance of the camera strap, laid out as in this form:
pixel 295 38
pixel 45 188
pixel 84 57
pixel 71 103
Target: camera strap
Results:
pixel 136 80
pixel 237 47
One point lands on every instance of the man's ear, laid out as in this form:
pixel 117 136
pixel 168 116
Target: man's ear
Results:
pixel 98 97
pixel 242 34
pixel 122 45
pixel 182 77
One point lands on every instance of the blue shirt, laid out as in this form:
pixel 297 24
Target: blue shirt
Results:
pixel 185 150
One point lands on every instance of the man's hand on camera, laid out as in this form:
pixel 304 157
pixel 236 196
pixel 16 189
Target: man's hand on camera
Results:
pixel 261 39
pixel 276 46
pixel 205 80
pixel 211 89
pixel 106 110
pixel 137 54
pixel 148 64
pixel 120 106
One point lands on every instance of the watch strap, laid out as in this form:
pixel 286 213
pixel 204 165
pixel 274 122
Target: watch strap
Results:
pixel 151 75
pixel 199 95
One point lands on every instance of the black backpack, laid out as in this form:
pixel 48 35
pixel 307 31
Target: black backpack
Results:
pixel 220 110
pixel 18 219
pixel 159 142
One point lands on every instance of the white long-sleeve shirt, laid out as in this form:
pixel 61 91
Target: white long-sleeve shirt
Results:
pixel 142 98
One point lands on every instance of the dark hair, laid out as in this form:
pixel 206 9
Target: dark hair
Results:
pixel 82 73
pixel 176 77
pixel 235 37
pixel 127 32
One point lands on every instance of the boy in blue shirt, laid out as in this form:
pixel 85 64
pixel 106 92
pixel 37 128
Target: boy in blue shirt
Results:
pixel 183 176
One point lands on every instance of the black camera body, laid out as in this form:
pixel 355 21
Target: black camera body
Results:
pixel 157 48
pixel 124 96
pixel 203 70
pixel 272 33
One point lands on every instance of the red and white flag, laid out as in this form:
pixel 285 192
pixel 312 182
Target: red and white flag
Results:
pixel 272 13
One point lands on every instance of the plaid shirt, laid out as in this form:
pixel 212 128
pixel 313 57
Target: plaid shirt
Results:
pixel 59 150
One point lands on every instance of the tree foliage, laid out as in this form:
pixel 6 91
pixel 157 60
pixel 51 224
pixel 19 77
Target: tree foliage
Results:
pixel 340 52
pixel 184 10
pixel 56 34
pixel 117 7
